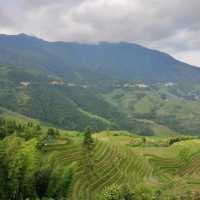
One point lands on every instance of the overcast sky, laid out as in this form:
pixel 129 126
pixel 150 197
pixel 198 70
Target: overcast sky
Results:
pixel 172 26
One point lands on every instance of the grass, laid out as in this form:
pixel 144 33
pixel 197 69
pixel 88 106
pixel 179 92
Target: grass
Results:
pixel 173 169
pixel 114 161
pixel 111 163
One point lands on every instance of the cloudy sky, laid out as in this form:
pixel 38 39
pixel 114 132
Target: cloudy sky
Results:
pixel 172 26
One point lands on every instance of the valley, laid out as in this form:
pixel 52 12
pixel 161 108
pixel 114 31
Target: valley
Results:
pixel 96 122
pixel 128 105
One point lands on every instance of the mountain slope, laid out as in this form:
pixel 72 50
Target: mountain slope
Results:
pixel 73 61
pixel 36 95
pixel 71 86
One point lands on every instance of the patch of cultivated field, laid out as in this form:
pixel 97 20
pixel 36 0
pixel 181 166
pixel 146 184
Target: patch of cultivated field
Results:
pixel 107 164
pixel 114 161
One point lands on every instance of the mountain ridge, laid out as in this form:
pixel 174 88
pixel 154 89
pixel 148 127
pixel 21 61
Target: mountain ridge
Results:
pixel 109 86
pixel 105 60
pixel 24 35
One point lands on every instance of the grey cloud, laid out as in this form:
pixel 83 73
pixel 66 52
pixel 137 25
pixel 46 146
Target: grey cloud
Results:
pixel 38 4
pixel 4 19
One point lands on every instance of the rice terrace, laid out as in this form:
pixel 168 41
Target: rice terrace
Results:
pixel 99 100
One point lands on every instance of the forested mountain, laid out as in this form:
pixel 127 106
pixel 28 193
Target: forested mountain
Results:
pixel 74 61
pixel 137 104
pixel 107 86
pixel 64 104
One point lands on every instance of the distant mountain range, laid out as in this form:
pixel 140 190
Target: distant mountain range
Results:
pixel 106 86
pixel 103 61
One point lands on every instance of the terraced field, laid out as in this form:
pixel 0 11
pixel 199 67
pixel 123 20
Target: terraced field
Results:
pixel 181 165
pixel 106 165
pixel 182 171
pixel 173 169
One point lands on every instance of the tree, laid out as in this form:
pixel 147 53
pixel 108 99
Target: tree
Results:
pixel 3 176
pixel 115 192
pixel 196 195
pixel 88 145
pixel 60 181
pixel 2 133
pixel 38 128
pixel 42 178
pixel 52 134
pixel 111 193
pixel 53 183
pixel 88 141
pixel 126 193
pixel 157 195
pixel 144 140
pixel 16 185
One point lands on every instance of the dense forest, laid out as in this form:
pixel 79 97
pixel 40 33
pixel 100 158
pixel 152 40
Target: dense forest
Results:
pixel 104 105
pixel 23 174
pixel 123 91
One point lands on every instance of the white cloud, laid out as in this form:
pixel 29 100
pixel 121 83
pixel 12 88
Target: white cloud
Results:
pixel 191 57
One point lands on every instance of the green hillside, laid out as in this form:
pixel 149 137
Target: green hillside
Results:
pixel 106 86
pixel 74 169
pixel 155 109
pixel 106 121
pixel 66 105
pixel 114 162
pixel 174 106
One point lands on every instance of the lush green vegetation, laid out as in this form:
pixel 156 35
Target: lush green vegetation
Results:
pixel 155 110
pixel 70 107
pixel 41 82
pixel 143 140
pixel 39 162
pixel 103 61
pixel 175 107
pixel 23 171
